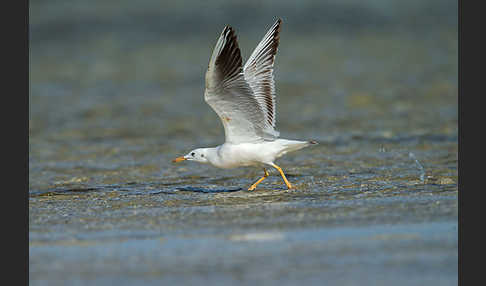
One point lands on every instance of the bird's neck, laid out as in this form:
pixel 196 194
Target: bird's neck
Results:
pixel 213 156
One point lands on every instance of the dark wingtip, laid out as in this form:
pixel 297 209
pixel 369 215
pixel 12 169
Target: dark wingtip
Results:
pixel 278 23
pixel 227 29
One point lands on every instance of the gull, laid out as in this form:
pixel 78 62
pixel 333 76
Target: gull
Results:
pixel 244 99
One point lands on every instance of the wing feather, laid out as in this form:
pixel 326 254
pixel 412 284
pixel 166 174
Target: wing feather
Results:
pixel 258 72
pixel 230 95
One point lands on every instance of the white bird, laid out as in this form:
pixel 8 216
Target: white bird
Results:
pixel 244 99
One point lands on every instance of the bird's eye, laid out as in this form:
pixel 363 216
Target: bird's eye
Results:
pixel 202 155
pixel 192 154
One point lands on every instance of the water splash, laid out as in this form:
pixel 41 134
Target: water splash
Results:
pixel 421 168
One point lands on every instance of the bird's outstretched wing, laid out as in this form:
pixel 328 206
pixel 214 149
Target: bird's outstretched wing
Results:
pixel 258 72
pixel 232 97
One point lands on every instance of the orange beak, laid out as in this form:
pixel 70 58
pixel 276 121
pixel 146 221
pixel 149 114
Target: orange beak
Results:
pixel 178 159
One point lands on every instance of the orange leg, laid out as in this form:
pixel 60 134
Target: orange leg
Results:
pixel 283 176
pixel 259 180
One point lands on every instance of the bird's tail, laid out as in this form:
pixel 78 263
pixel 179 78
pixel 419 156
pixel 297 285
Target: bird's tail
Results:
pixel 294 145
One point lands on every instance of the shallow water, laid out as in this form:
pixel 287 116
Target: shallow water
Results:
pixel 117 92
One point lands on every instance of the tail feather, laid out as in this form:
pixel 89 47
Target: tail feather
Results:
pixel 294 145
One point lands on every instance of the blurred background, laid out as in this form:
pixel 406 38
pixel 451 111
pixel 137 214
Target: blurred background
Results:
pixel 116 92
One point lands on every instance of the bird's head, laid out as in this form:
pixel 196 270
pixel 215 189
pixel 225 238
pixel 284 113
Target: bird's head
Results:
pixel 198 155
